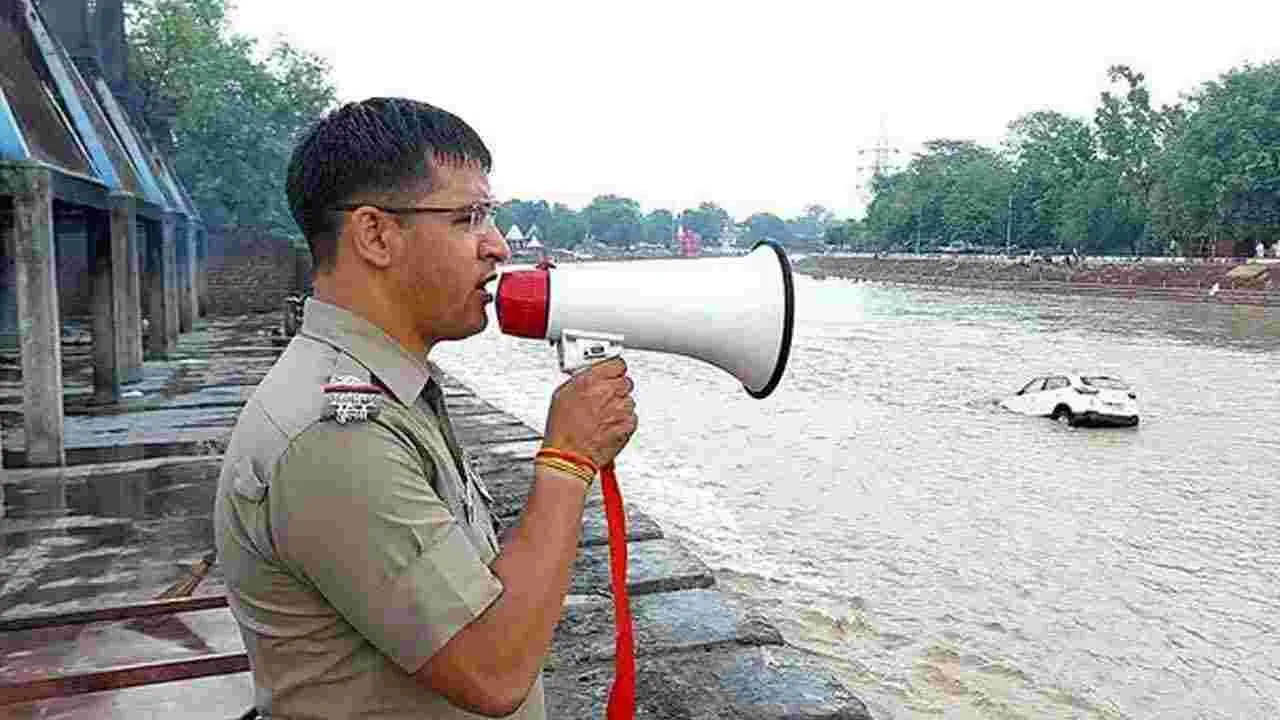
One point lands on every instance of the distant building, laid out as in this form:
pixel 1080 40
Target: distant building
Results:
pixel 515 238
pixel 689 241
pixel 730 236
pixel 535 247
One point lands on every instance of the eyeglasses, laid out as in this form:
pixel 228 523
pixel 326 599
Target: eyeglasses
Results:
pixel 480 215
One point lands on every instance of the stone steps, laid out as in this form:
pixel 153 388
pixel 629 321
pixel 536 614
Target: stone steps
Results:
pixel 133 509
pixel 697 656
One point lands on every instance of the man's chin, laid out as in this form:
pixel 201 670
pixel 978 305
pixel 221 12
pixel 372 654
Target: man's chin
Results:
pixel 470 330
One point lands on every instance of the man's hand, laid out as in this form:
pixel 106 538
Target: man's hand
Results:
pixel 593 413
pixel 490 666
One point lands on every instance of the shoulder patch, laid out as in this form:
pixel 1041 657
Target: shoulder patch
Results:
pixel 350 398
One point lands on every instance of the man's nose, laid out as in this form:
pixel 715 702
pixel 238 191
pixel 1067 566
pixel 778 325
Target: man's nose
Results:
pixel 495 246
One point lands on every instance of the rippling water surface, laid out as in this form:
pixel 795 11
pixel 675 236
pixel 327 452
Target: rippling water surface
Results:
pixel 954 560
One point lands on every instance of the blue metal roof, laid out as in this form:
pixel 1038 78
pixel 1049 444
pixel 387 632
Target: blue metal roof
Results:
pixel 58 63
pixel 12 146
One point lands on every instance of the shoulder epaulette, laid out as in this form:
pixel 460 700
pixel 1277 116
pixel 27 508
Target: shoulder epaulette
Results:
pixel 350 398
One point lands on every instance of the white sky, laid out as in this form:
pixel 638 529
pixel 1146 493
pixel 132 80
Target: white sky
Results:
pixel 758 106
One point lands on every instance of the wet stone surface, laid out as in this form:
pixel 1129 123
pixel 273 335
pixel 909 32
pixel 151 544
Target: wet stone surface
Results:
pixel 728 682
pixel 653 566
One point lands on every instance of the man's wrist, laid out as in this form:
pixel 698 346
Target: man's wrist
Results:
pixel 566 463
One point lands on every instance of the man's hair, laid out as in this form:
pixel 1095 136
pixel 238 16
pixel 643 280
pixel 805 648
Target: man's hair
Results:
pixel 381 148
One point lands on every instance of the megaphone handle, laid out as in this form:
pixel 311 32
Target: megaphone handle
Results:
pixel 622 696
pixel 580 350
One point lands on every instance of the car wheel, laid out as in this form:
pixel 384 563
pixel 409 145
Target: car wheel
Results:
pixel 1062 413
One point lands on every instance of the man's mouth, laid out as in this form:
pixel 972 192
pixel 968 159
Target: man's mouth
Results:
pixel 488 287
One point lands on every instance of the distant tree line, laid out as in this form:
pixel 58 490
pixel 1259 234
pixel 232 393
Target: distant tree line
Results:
pixel 1134 180
pixel 621 222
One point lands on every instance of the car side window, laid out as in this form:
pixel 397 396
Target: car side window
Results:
pixel 1056 383
pixel 1033 386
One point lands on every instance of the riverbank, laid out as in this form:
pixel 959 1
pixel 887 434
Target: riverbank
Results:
pixel 1231 281
pixel 86 548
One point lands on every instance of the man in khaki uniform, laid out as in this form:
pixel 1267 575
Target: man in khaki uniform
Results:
pixel 358 545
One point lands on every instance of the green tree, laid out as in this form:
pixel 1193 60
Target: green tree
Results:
pixel 708 220
pixel 975 203
pixel 1130 135
pixel 762 226
pixel 565 227
pixel 842 234
pixel 812 223
pixel 659 227
pixel 235 117
pixel 614 220
pixel 894 215
pixel 954 190
pixel 1099 216
pixel 1220 173
pixel 524 213
pixel 1052 155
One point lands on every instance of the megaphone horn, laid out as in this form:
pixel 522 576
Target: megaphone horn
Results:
pixel 736 315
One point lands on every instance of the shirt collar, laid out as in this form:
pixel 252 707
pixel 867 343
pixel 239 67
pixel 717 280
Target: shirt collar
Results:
pixel 404 373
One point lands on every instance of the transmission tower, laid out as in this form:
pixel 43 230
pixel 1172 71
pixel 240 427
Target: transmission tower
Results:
pixel 882 162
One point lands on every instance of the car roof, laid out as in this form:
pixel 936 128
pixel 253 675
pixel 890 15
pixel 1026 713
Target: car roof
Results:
pixel 1075 376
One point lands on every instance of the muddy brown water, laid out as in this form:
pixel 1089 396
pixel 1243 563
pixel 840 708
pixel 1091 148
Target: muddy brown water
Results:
pixel 949 558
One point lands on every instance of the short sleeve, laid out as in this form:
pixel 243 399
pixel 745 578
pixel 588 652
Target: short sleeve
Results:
pixel 357 516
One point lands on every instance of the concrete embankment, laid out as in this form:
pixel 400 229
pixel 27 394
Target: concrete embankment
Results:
pixel 86 548
pixel 1228 281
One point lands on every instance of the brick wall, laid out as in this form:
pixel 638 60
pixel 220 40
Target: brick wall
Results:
pixel 250 272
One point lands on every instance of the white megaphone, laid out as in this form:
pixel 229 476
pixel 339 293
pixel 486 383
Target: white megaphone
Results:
pixel 736 315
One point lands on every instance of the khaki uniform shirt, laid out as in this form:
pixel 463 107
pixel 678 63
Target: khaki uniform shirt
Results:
pixel 352 551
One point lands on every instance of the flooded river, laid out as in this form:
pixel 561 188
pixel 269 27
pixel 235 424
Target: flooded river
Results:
pixel 954 560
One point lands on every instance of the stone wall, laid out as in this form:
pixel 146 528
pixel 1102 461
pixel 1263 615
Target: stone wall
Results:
pixel 8 282
pixel 250 272
pixel 1230 281
pixel 75 284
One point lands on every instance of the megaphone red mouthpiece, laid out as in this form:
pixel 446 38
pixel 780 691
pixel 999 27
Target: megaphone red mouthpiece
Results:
pixel 523 303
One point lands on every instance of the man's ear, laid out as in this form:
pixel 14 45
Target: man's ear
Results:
pixel 375 236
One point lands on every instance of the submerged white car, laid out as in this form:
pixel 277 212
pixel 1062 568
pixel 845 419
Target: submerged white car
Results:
pixel 1077 400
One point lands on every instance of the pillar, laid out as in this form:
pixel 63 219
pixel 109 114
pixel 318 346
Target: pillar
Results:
pixel 127 298
pixel 193 267
pixel 107 364
pixel 162 338
pixel 202 271
pixel 169 245
pixel 39 323
pixel 188 302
